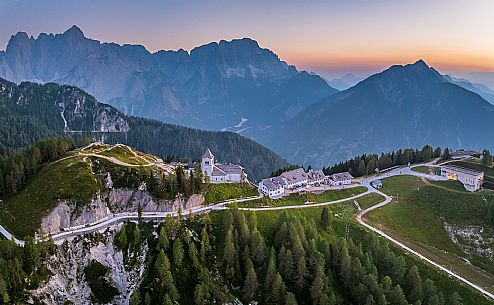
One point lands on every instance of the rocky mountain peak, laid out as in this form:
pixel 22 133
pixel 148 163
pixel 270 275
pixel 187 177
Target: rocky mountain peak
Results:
pixel 74 31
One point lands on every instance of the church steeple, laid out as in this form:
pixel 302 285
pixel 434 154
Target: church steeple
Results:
pixel 207 162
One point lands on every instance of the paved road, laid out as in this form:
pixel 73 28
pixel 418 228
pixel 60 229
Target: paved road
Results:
pixel 146 216
pixel 9 236
pixel 309 205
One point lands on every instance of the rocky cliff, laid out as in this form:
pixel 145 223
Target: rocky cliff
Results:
pixel 68 283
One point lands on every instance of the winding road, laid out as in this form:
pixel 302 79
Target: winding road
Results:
pixel 366 182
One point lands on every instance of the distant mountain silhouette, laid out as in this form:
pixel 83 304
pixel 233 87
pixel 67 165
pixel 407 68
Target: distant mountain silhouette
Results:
pixel 212 87
pixel 403 106
pixel 345 81
pixel 481 89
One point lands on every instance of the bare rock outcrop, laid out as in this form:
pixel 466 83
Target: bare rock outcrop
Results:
pixel 68 282
pixel 115 200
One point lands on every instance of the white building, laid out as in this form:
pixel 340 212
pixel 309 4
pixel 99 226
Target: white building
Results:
pixel 377 184
pixel 316 177
pixel 472 180
pixel 341 179
pixel 274 187
pixel 295 178
pixel 219 172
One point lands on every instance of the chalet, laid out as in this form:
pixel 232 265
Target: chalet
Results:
pixel 274 187
pixel 341 178
pixel 377 184
pixel 295 178
pixel 315 177
pixel 220 172
pixel 472 180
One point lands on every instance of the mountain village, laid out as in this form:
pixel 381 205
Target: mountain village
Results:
pixel 299 180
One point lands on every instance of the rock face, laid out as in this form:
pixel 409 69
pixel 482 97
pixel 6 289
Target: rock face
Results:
pixel 68 282
pixel 67 215
pixel 212 87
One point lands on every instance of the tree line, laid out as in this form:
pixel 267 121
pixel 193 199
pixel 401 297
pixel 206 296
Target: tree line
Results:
pixel 18 166
pixel 299 261
pixel 367 164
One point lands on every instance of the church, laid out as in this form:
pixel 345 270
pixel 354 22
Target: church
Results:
pixel 220 172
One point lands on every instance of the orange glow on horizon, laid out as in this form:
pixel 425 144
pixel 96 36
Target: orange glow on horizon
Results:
pixel 441 60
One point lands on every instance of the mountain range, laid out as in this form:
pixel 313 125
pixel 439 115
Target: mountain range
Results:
pixel 403 106
pixel 240 87
pixel 217 86
pixel 31 112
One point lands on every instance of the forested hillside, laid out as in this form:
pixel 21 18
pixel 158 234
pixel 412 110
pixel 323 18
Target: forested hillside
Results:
pixel 291 260
pixel 31 112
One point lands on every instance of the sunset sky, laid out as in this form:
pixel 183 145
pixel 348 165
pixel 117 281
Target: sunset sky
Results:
pixel 330 37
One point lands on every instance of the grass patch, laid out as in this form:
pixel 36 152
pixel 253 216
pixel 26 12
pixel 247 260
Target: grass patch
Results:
pixel 429 170
pixel 301 199
pixel 370 200
pixel 124 154
pixel 452 185
pixel 221 192
pixel 65 180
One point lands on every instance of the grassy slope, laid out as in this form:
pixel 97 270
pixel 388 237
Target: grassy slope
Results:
pixel 220 192
pixel 417 214
pixel 68 179
pixel 300 199
pixel 342 215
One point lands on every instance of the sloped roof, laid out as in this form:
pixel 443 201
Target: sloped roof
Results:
pixel 295 175
pixel 273 183
pixel 463 170
pixel 342 176
pixel 230 168
pixel 218 172
pixel 208 154
pixel 317 174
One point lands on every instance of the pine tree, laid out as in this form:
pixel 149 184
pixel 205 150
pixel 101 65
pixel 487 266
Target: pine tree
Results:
pixel 413 285
pixel 396 296
pixel 167 300
pixel 205 246
pixel 178 252
pixel 163 241
pixel 229 256
pixel 193 254
pixel 271 269
pixel 258 247
pixel 454 299
pixel 250 282
pixel 325 221
pixel 486 158
pixel 317 289
pixel 277 289
pixel 290 299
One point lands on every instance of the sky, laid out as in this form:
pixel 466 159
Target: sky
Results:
pixel 324 36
